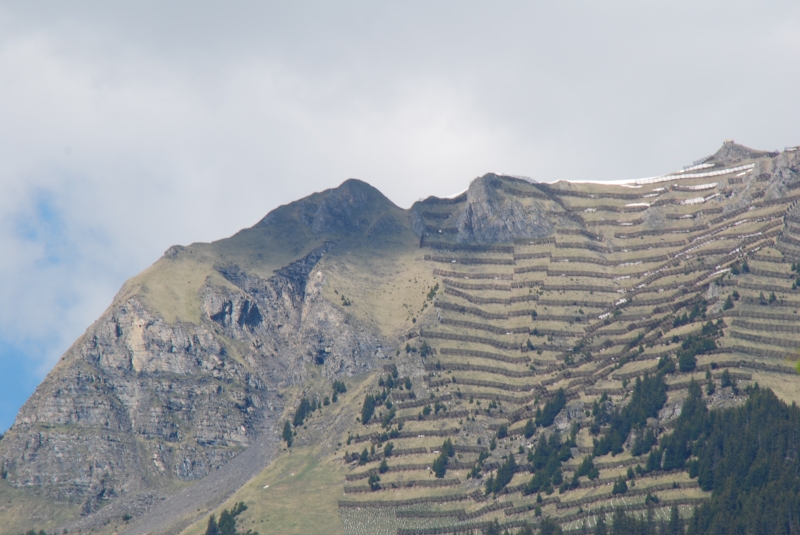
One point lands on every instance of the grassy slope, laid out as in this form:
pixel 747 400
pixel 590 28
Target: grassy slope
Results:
pixel 387 289
pixel 301 498
pixel 305 483
pixel 20 511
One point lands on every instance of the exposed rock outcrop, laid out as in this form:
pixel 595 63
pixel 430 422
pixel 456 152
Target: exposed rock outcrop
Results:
pixel 138 401
pixel 490 216
pixel 731 153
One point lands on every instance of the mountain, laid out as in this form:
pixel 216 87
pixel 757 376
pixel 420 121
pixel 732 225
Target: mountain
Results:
pixel 511 314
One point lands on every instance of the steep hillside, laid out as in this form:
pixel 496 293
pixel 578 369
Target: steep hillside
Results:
pixel 526 346
pixel 189 364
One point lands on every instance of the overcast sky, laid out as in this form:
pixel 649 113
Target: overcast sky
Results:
pixel 126 127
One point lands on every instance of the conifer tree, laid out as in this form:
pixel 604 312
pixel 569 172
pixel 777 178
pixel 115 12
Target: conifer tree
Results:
pixel 367 409
pixel 287 433
pixel 601 528
pixel 675 526
pixel 529 429
pixel 227 523
pixel 212 528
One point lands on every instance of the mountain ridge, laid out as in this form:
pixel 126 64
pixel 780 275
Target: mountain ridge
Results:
pixel 207 352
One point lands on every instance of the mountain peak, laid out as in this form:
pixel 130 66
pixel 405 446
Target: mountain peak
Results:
pixel 352 207
pixel 731 153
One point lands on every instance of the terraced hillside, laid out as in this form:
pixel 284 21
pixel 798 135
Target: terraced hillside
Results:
pixel 523 350
pixel 536 342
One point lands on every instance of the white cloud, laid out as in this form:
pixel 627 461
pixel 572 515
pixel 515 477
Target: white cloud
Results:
pixel 186 122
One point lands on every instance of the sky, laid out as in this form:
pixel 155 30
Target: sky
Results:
pixel 127 127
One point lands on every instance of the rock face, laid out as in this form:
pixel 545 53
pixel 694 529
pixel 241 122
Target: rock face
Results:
pixel 352 208
pixel 138 401
pixel 732 153
pixel 490 216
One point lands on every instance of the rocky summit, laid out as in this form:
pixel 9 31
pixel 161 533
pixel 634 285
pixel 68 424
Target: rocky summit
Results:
pixel 512 354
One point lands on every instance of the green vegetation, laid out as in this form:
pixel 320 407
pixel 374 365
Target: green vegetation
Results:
pixel 368 409
pixel 711 385
pixel 546 462
pixel 727 381
pixel 697 345
pixel 625 524
pixel 643 442
pixel 649 395
pixel 728 303
pixel 374 482
pixel 496 483
pixel 432 293
pixel 529 429
pixel 475 473
pixel 546 417
pixel 736 269
pixel 440 463
pixel 287 433
pixel 586 468
pixel 387 417
pixel 698 310
pixel 502 431
pixel 227 522
pixel 302 411
pixel 746 456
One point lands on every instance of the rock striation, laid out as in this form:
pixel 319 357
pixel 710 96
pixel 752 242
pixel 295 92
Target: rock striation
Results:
pixel 138 401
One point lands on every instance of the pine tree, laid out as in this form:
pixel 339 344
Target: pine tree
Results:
pixel 493 528
pixel 490 485
pixel 726 379
pixel 440 465
pixel 287 433
pixel 529 429
pixel 504 474
pixel 227 523
pixel 374 482
pixel 367 409
pixel 525 530
pixel 212 528
pixel 728 303
pixel 601 528
pixel 711 386
pixel 550 527
pixel 675 526
pixel 302 411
